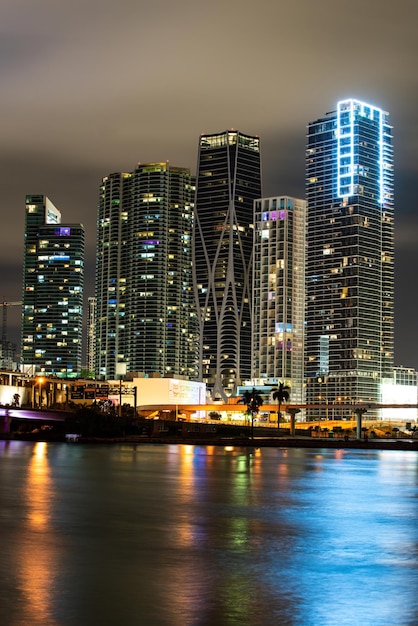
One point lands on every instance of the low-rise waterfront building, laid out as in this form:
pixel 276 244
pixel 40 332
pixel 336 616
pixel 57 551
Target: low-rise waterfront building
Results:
pixel 400 390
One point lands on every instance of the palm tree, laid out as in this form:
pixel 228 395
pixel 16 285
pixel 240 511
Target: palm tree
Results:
pixel 253 400
pixel 281 394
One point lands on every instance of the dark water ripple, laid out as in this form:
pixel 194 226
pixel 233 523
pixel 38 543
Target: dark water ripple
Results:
pixel 162 535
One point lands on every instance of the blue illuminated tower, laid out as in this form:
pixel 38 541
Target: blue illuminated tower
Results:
pixel 350 254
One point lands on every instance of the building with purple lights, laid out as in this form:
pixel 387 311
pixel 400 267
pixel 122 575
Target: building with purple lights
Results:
pixel 52 312
pixel 278 303
pixel 145 317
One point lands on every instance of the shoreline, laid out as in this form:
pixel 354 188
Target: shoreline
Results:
pixel 285 442
pixel 239 442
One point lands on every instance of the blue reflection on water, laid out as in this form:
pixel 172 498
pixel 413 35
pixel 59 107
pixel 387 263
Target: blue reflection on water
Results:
pixel 201 535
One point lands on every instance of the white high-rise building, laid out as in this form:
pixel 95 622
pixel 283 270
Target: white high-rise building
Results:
pixel 91 328
pixel 278 303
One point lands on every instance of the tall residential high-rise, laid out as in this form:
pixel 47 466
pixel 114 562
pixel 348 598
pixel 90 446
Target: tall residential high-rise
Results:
pixel 145 314
pixel 52 311
pixel 279 293
pixel 91 333
pixel 350 254
pixel 228 182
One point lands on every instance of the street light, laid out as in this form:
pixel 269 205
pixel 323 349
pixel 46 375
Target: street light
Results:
pixel 320 401
pixel 320 382
pixel 40 380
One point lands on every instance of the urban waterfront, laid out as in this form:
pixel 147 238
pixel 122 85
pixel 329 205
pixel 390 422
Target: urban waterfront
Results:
pixel 185 535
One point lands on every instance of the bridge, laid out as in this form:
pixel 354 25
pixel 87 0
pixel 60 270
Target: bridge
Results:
pixel 8 413
pixel 286 407
pixel 360 410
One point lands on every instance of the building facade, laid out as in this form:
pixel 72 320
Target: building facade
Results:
pixel 228 182
pixel 52 302
pixel 279 294
pixel 8 355
pixel 402 390
pixel 145 315
pixel 350 254
pixel 91 334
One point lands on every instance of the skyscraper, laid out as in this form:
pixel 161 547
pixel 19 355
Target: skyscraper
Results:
pixel 91 334
pixel 350 254
pixel 112 273
pixel 145 315
pixel 52 312
pixel 228 182
pixel 279 293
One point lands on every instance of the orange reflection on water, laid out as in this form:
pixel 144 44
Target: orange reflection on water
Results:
pixel 187 586
pixel 37 554
pixel 186 457
pixel 186 493
pixel 38 488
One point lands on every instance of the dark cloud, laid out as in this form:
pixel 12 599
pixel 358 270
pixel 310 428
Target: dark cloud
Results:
pixel 93 87
pixel 283 163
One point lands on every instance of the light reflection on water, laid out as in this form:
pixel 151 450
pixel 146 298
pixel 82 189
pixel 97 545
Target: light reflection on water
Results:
pixel 193 535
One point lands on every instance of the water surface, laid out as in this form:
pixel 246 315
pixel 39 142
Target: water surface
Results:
pixel 165 535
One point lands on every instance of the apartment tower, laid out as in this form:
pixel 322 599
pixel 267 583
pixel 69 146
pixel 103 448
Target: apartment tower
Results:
pixel 145 317
pixel 279 294
pixel 91 334
pixel 228 182
pixel 52 311
pixel 350 256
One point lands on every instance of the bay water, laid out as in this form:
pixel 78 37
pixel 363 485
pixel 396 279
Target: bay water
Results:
pixel 184 535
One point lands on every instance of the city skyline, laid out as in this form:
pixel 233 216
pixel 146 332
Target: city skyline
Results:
pixel 181 70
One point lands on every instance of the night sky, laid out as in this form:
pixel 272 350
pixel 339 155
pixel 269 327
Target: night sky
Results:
pixel 90 87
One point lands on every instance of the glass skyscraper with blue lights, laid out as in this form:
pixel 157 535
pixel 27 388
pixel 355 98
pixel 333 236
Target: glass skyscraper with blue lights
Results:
pixel 350 255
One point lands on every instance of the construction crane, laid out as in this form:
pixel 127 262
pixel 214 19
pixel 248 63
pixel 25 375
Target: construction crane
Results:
pixel 5 306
